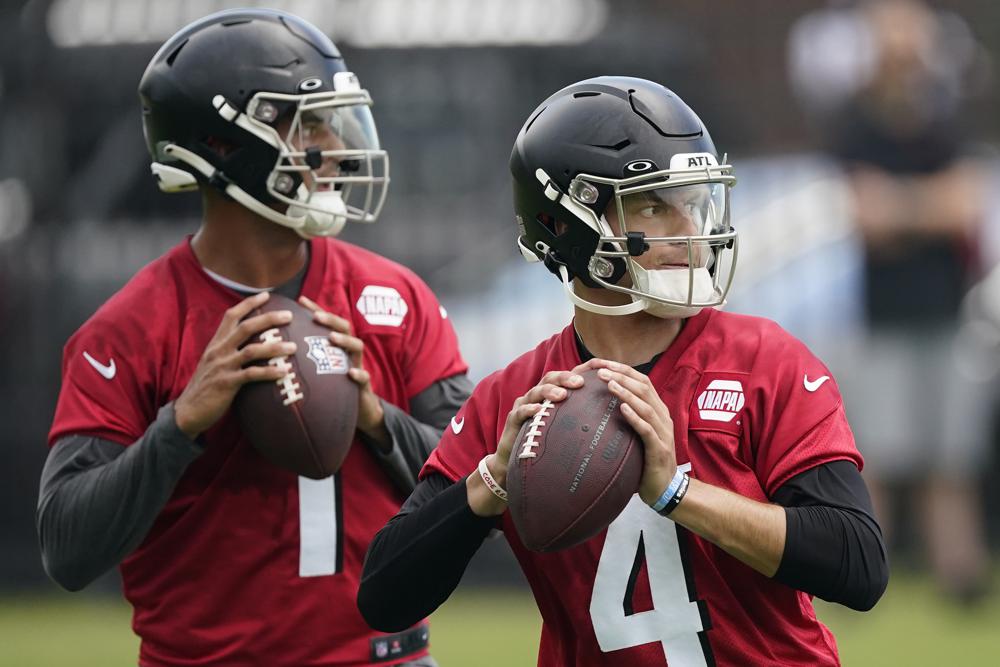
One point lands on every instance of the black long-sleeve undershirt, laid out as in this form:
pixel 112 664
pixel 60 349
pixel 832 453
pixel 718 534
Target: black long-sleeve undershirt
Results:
pixel 419 557
pixel 833 546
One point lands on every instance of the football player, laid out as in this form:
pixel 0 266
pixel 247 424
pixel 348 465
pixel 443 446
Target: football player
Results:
pixel 225 558
pixel 751 500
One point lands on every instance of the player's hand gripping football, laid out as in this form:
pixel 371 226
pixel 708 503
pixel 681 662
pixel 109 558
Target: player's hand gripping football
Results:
pixel 650 418
pixel 553 387
pixel 371 416
pixel 224 365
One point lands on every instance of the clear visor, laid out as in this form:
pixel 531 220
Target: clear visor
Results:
pixel 674 240
pixel 686 210
pixel 683 226
pixel 332 144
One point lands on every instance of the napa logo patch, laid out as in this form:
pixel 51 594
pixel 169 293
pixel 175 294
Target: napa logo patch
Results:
pixel 382 306
pixel 719 401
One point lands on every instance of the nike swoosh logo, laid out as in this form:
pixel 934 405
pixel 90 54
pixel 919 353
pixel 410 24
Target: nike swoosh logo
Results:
pixel 814 384
pixel 456 426
pixel 107 372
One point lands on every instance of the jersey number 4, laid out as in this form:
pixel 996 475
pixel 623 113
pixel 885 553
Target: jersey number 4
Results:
pixel 321 534
pixel 675 620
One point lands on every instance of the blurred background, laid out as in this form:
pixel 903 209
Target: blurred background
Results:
pixel 864 136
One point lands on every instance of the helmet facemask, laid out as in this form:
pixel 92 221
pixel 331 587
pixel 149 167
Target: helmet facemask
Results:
pixel 670 229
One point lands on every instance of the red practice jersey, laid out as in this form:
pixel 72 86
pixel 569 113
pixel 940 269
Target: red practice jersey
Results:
pixel 751 407
pixel 248 563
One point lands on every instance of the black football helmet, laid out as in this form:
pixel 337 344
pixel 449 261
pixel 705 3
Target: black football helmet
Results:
pixel 259 104
pixel 611 168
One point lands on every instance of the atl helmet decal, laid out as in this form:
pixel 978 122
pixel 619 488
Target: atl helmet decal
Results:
pixel 382 305
pixel 693 161
pixel 721 400
pixel 329 360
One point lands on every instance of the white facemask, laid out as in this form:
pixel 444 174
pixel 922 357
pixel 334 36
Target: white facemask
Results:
pixel 673 284
pixel 326 222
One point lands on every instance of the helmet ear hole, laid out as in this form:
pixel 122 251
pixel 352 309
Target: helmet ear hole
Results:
pixel 554 226
pixel 220 147
pixel 548 222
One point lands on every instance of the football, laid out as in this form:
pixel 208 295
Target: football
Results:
pixel 305 421
pixel 573 468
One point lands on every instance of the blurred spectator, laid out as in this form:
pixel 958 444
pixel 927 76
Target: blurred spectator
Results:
pixel 918 204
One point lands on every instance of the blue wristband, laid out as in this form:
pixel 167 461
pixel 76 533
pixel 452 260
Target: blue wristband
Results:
pixel 671 489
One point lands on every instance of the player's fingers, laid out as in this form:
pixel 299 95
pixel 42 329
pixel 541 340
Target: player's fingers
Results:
pixel 640 388
pixel 253 326
pixel 520 414
pixel 260 374
pixel 256 351
pixel 354 347
pixel 562 378
pixel 515 419
pixel 588 365
pixel 624 369
pixel 657 450
pixel 545 392
pixel 309 303
pixel 326 318
pixel 639 425
pixel 348 344
pixel 242 309
pixel 362 377
pixel 652 411
pixel 640 406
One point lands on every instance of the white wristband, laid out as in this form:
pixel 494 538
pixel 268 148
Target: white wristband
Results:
pixel 488 480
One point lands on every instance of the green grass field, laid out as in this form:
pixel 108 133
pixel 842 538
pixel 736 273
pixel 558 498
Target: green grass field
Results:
pixel 911 626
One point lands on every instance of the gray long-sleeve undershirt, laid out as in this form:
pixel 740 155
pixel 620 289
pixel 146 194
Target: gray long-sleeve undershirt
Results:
pixel 98 499
pixel 414 438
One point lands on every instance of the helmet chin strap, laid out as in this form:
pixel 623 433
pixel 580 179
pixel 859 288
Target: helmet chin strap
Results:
pixel 625 309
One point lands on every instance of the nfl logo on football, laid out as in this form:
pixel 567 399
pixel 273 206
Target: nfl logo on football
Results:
pixel 329 360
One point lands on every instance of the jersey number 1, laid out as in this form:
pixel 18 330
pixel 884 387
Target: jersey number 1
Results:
pixel 321 534
pixel 674 621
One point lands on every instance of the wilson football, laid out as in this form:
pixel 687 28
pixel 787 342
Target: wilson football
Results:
pixel 304 422
pixel 573 468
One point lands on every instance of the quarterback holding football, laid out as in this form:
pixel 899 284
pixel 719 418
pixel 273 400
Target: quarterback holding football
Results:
pixel 750 500
pixel 240 548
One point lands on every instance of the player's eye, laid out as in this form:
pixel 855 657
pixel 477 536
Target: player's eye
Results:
pixel 650 212
pixel 310 131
